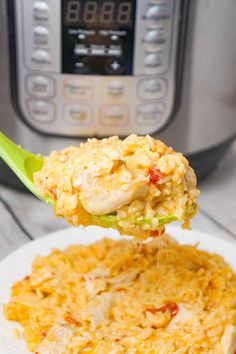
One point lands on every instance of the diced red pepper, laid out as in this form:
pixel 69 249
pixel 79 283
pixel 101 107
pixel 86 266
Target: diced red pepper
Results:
pixel 43 334
pixel 156 233
pixel 53 191
pixel 172 307
pixel 119 338
pixel 70 320
pixel 121 289
pixel 154 175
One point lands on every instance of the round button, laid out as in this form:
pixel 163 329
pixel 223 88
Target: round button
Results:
pixel 41 57
pixel 152 89
pixel 114 66
pixel 81 36
pixel 152 85
pixel 152 61
pixel 115 88
pixel 41 111
pixel 155 14
pixel 114 37
pixel 40 11
pixel 41 86
pixel 41 36
pixel 154 39
pixel 150 113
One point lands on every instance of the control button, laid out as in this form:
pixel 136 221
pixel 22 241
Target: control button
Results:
pixel 41 36
pixel 77 89
pixel 40 11
pixel 154 39
pixel 114 115
pixel 114 66
pixel 155 14
pixel 115 88
pixel 114 37
pixel 152 89
pixel 81 36
pixel 78 113
pixel 114 52
pixel 80 50
pixel 42 111
pixel 41 57
pixel 40 86
pixel 82 65
pixel 152 63
pixel 98 51
pixel 150 113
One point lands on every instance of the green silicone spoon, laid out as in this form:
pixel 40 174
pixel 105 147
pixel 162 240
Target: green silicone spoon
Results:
pixel 23 164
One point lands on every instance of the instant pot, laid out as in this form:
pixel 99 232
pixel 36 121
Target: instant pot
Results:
pixel 73 69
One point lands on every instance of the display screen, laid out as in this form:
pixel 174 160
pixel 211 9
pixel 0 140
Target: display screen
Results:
pixel 98 36
pixel 98 13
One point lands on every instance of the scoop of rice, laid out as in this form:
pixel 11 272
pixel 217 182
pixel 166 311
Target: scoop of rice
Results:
pixel 133 183
pixel 123 297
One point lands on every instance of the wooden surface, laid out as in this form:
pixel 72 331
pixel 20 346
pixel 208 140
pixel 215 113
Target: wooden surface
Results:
pixel 24 218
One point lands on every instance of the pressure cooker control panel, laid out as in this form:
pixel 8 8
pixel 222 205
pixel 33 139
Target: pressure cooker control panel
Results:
pixel 98 67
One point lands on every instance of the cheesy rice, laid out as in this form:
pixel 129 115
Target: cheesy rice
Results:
pixel 117 297
pixel 136 185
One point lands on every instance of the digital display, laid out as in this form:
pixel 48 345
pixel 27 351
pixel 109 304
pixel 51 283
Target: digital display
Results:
pixel 98 36
pixel 98 13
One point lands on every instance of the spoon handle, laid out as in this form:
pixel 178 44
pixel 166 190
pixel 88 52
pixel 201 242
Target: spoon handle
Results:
pixel 21 162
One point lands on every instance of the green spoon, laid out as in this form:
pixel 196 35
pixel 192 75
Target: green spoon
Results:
pixel 23 163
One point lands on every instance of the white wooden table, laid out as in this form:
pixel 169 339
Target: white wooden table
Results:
pixel 24 218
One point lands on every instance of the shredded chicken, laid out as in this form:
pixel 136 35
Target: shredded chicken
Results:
pixel 99 308
pixel 94 286
pixel 183 315
pixel 56 340
pixel 99 273
pixel 228 340
pixel 125 278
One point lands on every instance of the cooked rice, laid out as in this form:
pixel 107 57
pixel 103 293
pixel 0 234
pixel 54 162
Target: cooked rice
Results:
pixel 119 297
pixel 138 178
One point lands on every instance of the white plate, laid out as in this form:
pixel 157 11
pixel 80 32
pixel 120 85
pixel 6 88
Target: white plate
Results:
pixel 18 264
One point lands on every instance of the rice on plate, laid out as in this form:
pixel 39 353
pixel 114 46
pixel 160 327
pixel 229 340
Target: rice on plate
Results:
pixel 124 297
